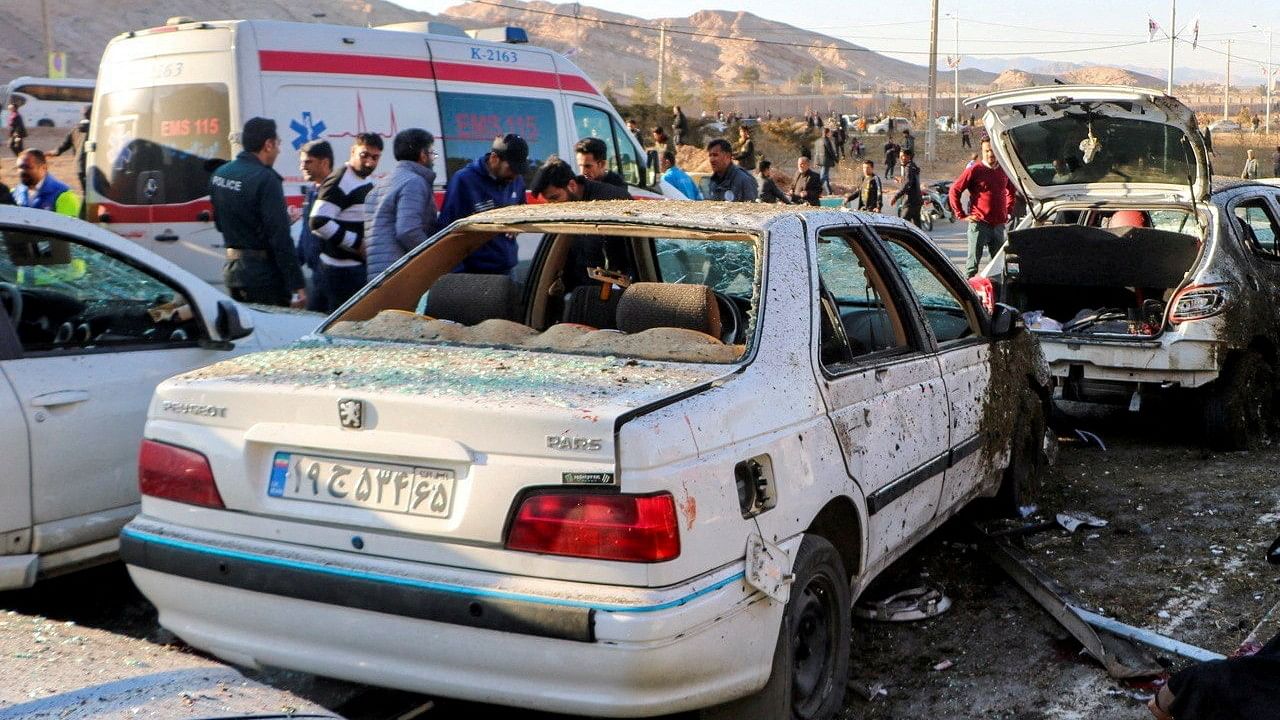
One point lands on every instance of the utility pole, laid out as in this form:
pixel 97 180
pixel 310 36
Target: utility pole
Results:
pixel 48 36
pixel 931 128
pixel 1270 82
pixel 662 64
pixel 1226 87
pixel 955 114
pixel 1173 38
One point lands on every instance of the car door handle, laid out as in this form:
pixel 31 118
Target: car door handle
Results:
pixel 60 397
pixel 881 372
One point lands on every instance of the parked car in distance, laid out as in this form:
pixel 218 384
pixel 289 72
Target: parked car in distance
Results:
pixel 1224 126
pixel 599 491
pixel 89 324
pixel 1146 278
pixel 882 127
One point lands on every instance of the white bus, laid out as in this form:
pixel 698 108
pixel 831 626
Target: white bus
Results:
pixel 49 102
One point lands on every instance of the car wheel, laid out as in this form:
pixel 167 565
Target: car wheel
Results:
pixel 811 657
pixel 927 221
pixel 1239 405
pixel 1027 458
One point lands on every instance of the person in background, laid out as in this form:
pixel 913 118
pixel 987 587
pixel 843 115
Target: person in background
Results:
pixel 337 218
pixel 593 162
pixel 729 182
pixel 315 162
pixel 17 129
pixel 37 188
pixel 1275 163
pixel 908 142
pixel 495 179
pixel 991 198
pixel 678 178
pixel 745 153
pixel 554 182
pixel 1250 171
pixel 910 192
pixel 768 190
pixel 249 211
pixel 75 141
pixel 807 186
pixel 827 156
pixel 891 150
pixel 871 195
pixel 679 125
pixel 400 210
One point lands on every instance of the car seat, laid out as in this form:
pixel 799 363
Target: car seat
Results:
pixel 645 306
pixel 585 307
pixel 1128 218
pixel 471 298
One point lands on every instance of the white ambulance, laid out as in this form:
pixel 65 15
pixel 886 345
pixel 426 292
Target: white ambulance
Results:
pixel 169 97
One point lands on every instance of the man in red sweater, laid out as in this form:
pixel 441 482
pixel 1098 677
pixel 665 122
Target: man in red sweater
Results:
pixel 991 197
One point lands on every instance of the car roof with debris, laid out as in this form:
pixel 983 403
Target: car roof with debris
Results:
pixel 703 214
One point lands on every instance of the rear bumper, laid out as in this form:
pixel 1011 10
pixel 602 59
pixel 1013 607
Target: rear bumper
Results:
pixel 1185 363
pixel 587 649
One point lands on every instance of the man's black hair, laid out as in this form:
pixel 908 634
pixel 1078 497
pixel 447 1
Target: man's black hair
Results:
pixel 257 131
pixel 765 165
pixel 594 147
pixel 669 156
pixel 722 144
pixel 319 149
pixel 410 143
pixel 553 173
pixel 870 162
pixel 369 140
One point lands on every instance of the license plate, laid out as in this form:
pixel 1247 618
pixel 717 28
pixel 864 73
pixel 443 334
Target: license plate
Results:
pixel 377 486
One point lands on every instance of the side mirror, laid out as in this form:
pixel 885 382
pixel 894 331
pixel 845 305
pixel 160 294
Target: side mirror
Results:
pixel 229 324
pixel 1006 321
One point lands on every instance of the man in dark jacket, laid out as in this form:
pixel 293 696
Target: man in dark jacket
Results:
pixel 555 183
pixel 337 218
pixel 769 192
pixel 679 125
pixel 593 162
pixel 891 150
pixel 249 211
pixel 871 195
pixel 400 211
pixel 910 189
pixel 495 179
pixel 75 141
pixel 807 187
pixel 826 156
pixel 728 182
pixel 745 154
pixel 315 162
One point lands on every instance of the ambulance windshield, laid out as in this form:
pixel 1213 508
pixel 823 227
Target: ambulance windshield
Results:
pixel 155 144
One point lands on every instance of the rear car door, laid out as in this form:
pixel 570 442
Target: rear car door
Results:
pixel 96 334
pixel 1257 222
pixel 954 322
pixel 882 387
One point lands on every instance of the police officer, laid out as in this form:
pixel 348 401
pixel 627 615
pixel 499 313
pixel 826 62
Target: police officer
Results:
pixel 249 210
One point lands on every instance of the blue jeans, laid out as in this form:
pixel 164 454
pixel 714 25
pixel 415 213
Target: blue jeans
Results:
pixel 826 178
pixel 982 235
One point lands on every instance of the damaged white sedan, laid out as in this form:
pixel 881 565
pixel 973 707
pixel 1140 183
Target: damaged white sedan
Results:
pixel 647 475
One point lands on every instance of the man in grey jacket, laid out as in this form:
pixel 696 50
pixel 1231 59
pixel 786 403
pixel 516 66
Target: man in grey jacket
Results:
pixel 400 211
pixel 728 182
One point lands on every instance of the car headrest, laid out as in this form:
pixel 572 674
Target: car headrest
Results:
pixel 471 298
pixel 652 305
pixel 1128 218
pixel 585 307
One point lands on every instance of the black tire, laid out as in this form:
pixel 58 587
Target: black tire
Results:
pixel 1239 407
pixel 927 221
pixel 1027 459
pixel 811 657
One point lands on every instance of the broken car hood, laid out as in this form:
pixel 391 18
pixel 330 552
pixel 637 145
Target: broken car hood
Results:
pixel 1106 142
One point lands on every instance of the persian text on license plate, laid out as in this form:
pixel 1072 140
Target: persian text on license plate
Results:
pixel 377 486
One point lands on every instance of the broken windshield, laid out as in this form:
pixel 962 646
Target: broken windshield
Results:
pixel 1078 148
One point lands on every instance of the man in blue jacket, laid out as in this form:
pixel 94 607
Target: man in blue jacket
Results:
pixel 495 179
pixel 38 189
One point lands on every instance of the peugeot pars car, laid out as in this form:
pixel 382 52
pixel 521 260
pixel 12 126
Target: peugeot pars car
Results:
pixel 89 324
pixel 648 474
pixel 1138 274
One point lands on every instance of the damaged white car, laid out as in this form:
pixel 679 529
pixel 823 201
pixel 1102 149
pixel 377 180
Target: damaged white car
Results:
pixel 1137 274
pixel 649 478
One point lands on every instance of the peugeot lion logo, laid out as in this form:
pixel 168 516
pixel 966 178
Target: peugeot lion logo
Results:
pixel 351 413
pixel 151 188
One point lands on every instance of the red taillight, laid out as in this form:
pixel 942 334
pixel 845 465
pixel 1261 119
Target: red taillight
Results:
pixel 986 291
pixel 631 528
pixel 1197 302
pixel 174 473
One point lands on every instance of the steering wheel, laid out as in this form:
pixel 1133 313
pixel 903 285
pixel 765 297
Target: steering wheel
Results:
pixel 11 296
pixel 732 319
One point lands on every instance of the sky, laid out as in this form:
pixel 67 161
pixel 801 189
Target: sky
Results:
pixel 1078 31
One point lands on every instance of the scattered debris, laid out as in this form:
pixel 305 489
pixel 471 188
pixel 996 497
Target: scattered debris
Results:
pixel 1074 519
pixel 944 665
pixel 1090 439
pixel 867 691
pixel 916 603
pixel 1144 636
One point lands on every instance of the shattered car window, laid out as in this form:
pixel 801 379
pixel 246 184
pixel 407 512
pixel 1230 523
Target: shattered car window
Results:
pixel 1077 148
pixel 638 292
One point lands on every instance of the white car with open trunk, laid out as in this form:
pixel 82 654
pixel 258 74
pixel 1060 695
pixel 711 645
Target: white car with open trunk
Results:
pixel 647 475
pixel 1138 274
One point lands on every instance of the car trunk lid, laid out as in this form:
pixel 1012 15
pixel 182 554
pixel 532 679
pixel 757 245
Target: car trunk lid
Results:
pixel 1072 141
